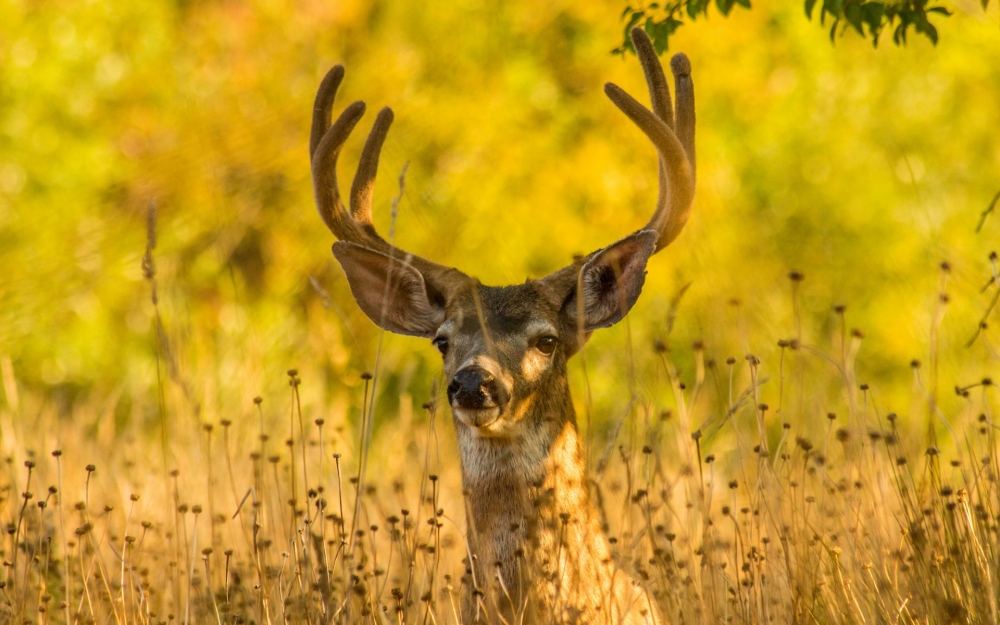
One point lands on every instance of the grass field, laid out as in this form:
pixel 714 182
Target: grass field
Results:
pixel 796 423
pixel 254 515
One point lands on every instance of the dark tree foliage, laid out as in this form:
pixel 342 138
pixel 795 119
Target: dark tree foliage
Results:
pixel 869 18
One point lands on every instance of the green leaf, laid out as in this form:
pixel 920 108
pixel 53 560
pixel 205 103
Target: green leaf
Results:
pixel 853 15
pixel 697 7
pixel 874 12
pixel 899 36
pixel 931 31
pixel 635 19
pixel 809 6
pixel 660 32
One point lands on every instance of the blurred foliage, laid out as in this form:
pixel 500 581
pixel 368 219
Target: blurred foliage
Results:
pixel 661 20
pixel 863 169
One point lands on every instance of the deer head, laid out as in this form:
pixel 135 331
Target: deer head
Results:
pixel 505 348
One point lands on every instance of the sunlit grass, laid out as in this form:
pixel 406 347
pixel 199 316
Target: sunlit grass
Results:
pixel 722 489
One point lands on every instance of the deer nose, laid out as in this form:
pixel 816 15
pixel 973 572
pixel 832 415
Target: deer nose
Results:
pixel 473 387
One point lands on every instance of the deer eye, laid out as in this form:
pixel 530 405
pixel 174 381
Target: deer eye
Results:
pixel 546 345
pixel 441 343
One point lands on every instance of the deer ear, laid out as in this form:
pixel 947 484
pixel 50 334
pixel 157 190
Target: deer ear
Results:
pixel 610 282
pixel 390 291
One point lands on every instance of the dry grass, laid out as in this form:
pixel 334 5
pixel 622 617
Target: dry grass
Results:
pixel 730 509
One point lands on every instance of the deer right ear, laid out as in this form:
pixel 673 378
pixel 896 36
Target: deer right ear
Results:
pixel 390 291
pixel 610 282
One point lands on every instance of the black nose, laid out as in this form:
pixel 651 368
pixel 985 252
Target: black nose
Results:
pixel 473 387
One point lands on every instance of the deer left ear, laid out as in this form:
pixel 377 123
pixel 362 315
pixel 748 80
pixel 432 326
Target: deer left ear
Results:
pixel 609 283
pixel 390 291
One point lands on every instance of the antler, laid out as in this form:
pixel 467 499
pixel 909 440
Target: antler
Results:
pixel 325 143
pixel 672 132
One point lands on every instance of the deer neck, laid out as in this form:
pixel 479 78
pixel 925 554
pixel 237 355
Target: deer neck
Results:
pixel 529 508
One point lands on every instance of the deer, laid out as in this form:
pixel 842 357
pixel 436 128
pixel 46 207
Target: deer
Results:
pixel 535 540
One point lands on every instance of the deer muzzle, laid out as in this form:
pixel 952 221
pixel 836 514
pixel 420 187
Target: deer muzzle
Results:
pixel 475 396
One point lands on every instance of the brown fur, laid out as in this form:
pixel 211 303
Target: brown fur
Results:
pixel 539 554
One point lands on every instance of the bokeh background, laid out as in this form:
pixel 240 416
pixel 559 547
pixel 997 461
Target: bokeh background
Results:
pixel 864 169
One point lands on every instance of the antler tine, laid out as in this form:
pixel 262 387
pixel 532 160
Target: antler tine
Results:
pixel 680 66
pixel 324 170
pixel 363 188
pixel 659 93
pixel 325 143
pixel 323 106
pixel 675 146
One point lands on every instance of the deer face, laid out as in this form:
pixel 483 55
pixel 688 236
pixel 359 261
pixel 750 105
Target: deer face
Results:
pixel 497 360
pixel 504 348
